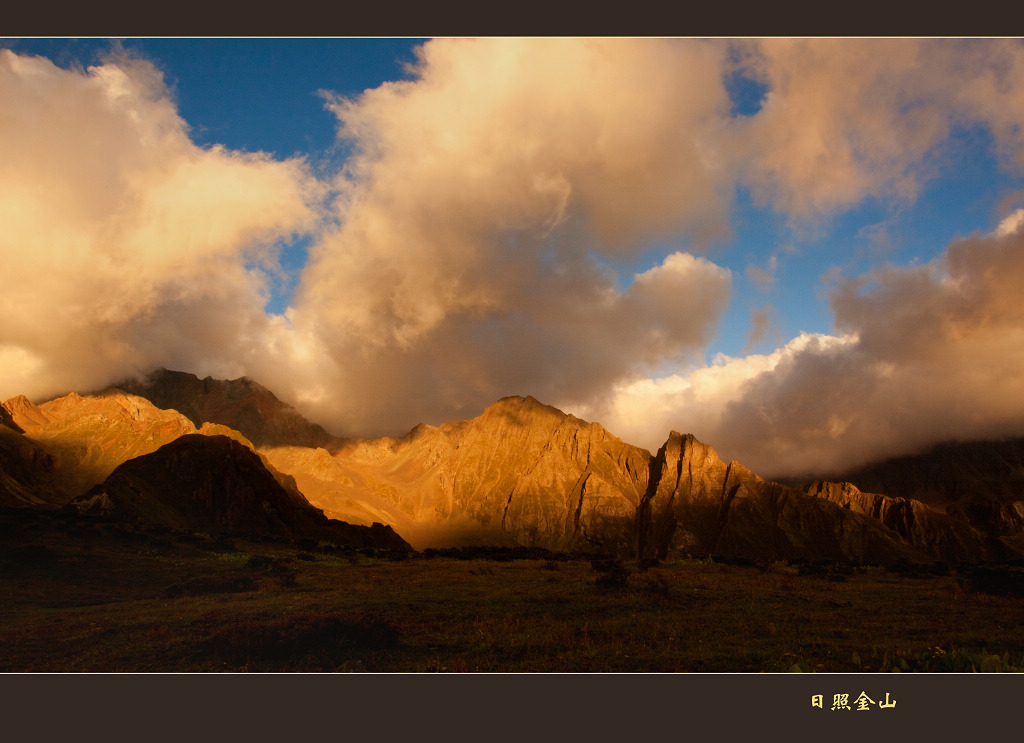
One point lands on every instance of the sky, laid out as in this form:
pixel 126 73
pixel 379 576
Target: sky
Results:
pixel 806 252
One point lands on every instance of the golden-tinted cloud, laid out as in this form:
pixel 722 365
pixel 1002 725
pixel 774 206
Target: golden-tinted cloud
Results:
pixel 848 119
pixel 927 354
pixel 124 245
pixel 476 215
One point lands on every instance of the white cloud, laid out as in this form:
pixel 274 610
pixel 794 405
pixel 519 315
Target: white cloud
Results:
pixel 927 353
pixel 482 194
pixel 124 245
pixel 848 119
pixel 1011 224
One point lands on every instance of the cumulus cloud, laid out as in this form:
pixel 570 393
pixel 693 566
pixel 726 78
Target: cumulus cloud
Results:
pixel 124 245
pixel 848 119
pixel 488 191
pixel 926 354
pixel 484 199
pixel 475 224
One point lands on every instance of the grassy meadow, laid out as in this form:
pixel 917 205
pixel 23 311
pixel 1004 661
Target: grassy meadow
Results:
pixel 95 596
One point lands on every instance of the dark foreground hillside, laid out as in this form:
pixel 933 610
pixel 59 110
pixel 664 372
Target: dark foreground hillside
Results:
pixel 94 595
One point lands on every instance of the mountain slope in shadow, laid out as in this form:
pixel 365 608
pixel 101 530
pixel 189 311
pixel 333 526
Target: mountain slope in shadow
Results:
pixel 217 485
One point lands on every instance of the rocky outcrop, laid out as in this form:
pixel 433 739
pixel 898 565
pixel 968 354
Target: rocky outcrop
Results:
pixel 240 404
pixel 698 505
pixel 977 482
pixel 933 533
pixel 217 485
pixel 20 408
pixel 82 439
pixel 6 419
pixel 522 473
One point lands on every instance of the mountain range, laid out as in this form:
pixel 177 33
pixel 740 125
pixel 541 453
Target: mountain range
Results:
pixel 229 456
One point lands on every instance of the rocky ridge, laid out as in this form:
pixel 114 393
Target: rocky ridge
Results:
pixel 699 505
pixel 978 482
pixel 217 485
pixel 241 404
pixel 927 530
pixel 104 446
pixel 527 474
pixel 76 442
pixel 520 474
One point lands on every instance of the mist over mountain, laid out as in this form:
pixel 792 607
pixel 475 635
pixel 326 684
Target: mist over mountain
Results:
pixel 949 473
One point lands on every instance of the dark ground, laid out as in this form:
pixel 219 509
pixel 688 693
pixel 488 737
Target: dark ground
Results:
pixel 93 596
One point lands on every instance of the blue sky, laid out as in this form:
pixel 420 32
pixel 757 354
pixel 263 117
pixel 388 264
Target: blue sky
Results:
pixel 455 246
pixel 255 94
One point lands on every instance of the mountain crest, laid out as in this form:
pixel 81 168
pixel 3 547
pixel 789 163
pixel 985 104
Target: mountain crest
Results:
pixel 241 404
pixel 84 438
pixel 216 484
pixel 521 473
pixel 20 411
pixel 524 411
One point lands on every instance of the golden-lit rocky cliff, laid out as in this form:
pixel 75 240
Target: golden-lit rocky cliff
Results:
pixel 117 455
pixel 698 504
pixel 83 438
pixel 521 473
